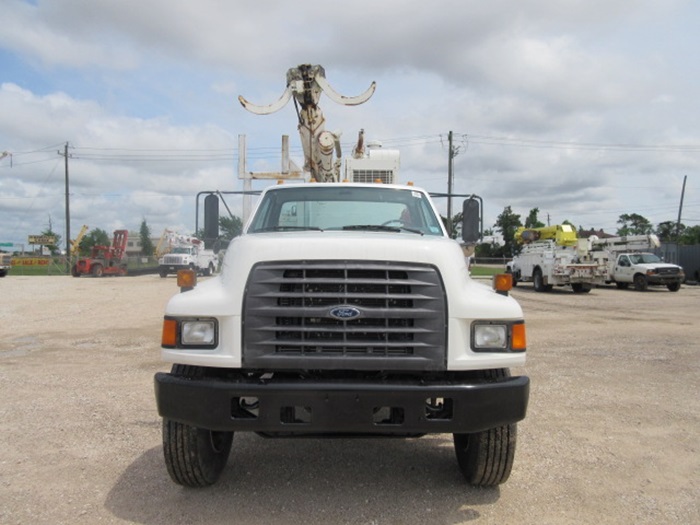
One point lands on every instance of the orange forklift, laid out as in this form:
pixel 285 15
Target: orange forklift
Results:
pixel 104 260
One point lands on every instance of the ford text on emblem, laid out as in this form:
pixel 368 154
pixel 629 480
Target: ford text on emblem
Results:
pixel 344 313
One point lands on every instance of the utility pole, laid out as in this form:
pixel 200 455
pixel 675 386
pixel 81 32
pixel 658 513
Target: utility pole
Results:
pixel 65 159
pixel 450 178
pixel 678 223
pixel 680 210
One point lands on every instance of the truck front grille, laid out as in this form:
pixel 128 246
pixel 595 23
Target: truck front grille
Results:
pixel 668 271
pixel 355 315
pixel 172 259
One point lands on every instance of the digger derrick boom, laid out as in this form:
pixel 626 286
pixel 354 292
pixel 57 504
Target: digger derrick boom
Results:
pixel 305 84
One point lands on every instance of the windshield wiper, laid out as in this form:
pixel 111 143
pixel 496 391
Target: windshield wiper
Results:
pixel 288 228
pixel 381 228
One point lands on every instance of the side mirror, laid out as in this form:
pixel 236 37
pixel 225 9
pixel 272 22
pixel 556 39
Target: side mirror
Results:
pixel 472 224
pixel 211 220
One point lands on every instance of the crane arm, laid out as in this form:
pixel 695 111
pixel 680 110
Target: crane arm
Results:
pixel 342 99
pixel 270 108
pixel 305 83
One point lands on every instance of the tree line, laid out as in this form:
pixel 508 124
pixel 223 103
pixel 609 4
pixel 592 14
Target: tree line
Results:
pixel 629 224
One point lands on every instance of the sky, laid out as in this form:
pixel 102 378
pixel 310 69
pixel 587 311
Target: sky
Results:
pixel 584 109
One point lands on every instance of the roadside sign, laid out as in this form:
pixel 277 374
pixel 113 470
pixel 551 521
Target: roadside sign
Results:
pixel 7 244
pixel 42 239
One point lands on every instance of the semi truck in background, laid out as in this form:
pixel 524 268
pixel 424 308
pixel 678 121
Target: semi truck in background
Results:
pixel 344 309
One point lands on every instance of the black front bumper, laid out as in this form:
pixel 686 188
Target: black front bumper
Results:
pixel 664 279
pixel 341 406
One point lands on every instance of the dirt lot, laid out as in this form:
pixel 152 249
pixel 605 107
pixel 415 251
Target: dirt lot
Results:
pixel 611 435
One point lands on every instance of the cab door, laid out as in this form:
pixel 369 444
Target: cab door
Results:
pixel 623 269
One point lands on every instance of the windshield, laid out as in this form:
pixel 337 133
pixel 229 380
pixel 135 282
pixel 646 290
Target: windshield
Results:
pixel 345 207
pixel 644 258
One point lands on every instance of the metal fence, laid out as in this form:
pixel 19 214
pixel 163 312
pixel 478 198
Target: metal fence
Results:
pixel 687 256
pixel 491 261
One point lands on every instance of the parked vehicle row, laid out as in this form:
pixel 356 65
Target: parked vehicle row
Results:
pixel 555 256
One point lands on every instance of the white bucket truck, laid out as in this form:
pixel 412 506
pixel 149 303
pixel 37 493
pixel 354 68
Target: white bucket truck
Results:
pixel 554 256
pixel 185 252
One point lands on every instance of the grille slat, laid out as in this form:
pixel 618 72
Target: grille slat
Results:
pixel 287 313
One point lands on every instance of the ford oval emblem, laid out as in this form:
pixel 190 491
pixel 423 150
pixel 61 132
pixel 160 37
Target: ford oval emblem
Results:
pixel 345 313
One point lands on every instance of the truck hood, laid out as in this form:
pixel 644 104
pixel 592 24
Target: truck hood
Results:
pixel 351 245
pixel 657 266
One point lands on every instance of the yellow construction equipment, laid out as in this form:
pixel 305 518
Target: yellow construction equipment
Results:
pixel 75 244
pixel 561 234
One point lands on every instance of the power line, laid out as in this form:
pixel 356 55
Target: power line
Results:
pixel 554 144
pixel 114 154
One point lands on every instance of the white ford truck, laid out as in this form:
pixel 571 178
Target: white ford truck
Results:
pixel 642 270
pixel 344 309
pixel 628 263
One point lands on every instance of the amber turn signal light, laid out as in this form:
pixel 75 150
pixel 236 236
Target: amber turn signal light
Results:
pixel 503 282
pixel 518 342
pixel 186 279
pixel 169 337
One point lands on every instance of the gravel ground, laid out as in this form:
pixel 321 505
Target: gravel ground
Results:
pixel 611 434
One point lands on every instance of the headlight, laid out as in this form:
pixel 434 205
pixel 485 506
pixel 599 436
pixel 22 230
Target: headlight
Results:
pixel 189 333
pixel 491 336
pixel 498 336
pixel 198 333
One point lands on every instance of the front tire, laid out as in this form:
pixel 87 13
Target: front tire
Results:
pixel 486 458
pixel 674 287
pixel 195 457
pixel 538 281
pixel 516 278
pixel 640 282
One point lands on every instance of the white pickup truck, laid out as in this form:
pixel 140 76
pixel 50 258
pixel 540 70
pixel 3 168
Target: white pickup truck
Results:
pixel 5 264
pixel 344 309
pixel 628 262
pixel 643 270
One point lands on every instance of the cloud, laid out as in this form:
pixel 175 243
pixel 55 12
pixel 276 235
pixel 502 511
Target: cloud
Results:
pixel 50 35
pixel 122 169
pixel 145 93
